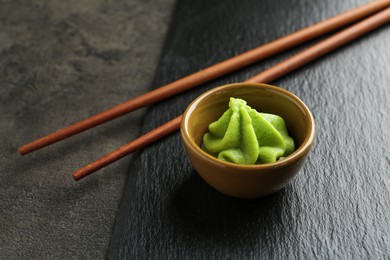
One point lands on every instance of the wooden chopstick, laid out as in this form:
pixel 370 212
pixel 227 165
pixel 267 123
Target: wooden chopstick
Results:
pixel 138 143
pixel 316 51
pixel 210 73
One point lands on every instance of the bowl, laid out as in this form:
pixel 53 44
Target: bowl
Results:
pixel 247 181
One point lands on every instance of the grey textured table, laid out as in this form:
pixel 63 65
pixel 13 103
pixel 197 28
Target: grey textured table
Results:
pixel 336 208
pixel 62 61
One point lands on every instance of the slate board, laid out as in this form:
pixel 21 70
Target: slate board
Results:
pixel 337 207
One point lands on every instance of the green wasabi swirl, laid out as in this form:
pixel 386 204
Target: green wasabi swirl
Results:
pixel 244 136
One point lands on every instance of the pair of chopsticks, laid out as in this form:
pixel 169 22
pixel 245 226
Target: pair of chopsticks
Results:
pixel 380 11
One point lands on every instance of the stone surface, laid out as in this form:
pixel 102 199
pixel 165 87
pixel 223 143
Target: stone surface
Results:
pixel 336 208
pixel 60 62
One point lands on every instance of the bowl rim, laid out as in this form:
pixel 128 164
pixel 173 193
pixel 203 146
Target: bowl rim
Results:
pixel 296 155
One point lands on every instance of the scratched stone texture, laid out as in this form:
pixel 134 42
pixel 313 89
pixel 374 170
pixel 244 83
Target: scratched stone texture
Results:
pixel 60 62
pixel 336 208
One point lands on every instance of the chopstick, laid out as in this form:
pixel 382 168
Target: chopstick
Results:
pixel 138 143
pixel 312 53
pixel 210 73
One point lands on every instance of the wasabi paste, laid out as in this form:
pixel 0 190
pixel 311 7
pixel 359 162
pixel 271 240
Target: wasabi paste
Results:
pixel 244 136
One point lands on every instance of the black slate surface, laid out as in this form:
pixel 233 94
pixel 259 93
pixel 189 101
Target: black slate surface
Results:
pixel 336 208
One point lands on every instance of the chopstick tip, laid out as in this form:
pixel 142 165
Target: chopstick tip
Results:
pixel 83 172
pixel 76 175
pixel 22 150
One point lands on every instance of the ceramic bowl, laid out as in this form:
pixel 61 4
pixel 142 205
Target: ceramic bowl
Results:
pixel 247 181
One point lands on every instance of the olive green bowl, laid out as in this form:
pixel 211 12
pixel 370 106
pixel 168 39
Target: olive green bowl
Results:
pixel 247 181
